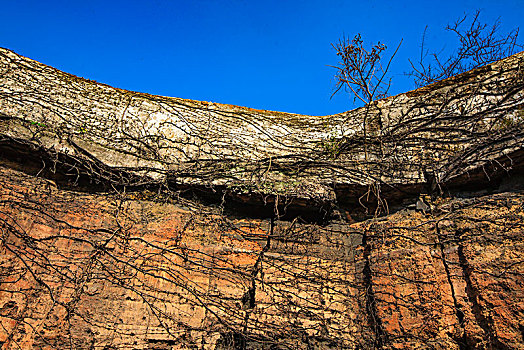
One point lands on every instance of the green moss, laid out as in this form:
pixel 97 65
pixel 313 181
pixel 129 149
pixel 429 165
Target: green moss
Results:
pixel 42 125
pixel 331 147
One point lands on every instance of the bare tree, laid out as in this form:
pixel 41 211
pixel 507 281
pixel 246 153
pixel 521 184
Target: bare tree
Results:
pixel 360 71
pixel 479 44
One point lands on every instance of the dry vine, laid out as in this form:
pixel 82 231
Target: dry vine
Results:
pixel 138 221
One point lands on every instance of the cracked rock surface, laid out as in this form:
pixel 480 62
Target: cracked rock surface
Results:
pixel 132 221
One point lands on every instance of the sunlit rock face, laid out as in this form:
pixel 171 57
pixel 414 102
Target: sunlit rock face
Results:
pixel 132 221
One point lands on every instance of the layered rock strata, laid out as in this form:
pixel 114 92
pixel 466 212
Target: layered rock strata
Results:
pixel 132 221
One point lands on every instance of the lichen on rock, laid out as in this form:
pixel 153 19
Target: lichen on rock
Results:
pixel 129 220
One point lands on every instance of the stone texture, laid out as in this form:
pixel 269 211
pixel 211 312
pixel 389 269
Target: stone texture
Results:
pixel 131 221
pixel 95 271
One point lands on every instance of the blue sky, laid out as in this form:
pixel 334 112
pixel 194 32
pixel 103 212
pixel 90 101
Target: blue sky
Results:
pixel 262 54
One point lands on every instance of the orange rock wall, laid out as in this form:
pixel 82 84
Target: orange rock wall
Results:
pixel 140 271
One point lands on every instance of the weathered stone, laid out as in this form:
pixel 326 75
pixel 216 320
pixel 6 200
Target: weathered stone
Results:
pixel 131 221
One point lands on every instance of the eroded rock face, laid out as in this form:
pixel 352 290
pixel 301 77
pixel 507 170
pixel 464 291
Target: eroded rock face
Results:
pixel 96 135
pixel 107 271
pixel 130 221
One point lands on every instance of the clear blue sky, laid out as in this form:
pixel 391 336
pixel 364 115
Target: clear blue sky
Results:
pixel 263 54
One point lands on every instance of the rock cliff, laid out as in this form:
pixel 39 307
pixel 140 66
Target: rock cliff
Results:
pixel 132 221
